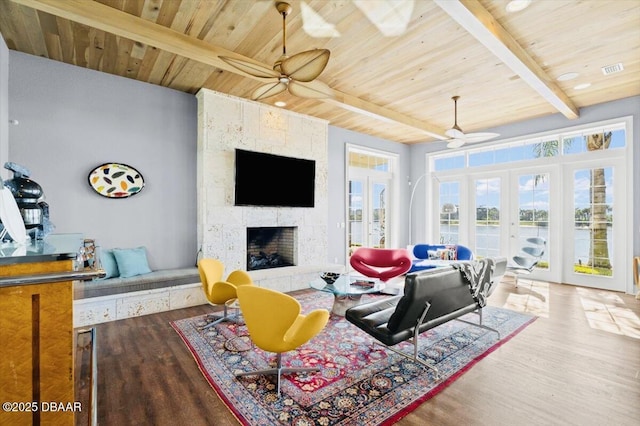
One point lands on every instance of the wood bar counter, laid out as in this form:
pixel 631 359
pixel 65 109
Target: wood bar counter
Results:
pixel 36 331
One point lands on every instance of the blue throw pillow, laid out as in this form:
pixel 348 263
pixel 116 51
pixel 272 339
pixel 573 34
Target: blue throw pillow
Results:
pixel 109 264
pixel 132 262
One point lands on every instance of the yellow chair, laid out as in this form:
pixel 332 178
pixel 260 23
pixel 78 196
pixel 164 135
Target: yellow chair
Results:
pixel 276 325
pixel 221 292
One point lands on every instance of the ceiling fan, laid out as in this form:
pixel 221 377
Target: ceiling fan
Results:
pixel 458 137
pixel 294 73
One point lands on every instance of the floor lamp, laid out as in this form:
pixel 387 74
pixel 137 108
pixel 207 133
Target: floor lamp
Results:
pixel 413 193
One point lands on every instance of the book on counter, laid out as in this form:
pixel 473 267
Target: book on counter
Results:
pixel 363 284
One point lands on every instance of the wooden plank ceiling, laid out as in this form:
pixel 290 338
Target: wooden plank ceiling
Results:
pixel 394 65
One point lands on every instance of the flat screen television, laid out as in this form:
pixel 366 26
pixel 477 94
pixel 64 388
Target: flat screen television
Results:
pixel 263 179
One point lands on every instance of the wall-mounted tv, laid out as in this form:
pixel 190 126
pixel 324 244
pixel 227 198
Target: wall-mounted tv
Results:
pixel 273 180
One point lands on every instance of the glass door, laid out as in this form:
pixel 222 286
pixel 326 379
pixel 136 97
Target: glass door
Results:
pixel 507 208
pixel 368 205
pixel 370 196
pixel 487 228
pixel 594 224
pixel 531 215
pixel 450 208
pixel 571 188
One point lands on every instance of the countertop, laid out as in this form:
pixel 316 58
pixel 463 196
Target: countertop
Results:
pixel 52 247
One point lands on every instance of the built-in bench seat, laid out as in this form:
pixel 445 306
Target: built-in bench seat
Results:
pixel 156 279
pixel 112 299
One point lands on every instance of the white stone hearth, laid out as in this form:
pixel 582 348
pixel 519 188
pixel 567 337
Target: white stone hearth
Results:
pixel 226 123
pixel 96 310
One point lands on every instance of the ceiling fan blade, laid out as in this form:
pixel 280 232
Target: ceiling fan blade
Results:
pixel 455 133
pixel 268 90
pixel 251 68
pixel 311 89
pixel 479 137
pixel 305 66
pixel 455 143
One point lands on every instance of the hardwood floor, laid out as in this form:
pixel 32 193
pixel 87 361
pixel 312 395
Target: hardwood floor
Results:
pixel 577 364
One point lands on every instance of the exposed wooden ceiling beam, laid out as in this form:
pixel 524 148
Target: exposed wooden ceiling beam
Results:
pixel 108 19
pixel 483 26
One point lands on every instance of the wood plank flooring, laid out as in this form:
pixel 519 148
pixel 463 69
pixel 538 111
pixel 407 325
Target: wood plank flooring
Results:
pixel 577 364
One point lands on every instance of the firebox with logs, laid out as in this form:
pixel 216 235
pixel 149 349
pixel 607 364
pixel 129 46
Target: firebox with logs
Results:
pixel 270 247
pixel 264 261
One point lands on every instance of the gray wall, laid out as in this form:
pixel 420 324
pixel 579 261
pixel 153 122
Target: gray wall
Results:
pixel 620 108
pixel 73 119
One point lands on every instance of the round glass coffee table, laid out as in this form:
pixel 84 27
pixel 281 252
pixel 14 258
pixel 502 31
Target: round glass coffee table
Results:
pixel 347 290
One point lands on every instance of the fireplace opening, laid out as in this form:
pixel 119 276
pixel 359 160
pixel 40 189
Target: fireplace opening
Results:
pixel 270 247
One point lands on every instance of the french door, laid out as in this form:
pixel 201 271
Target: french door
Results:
pixel 594 225
pixel 583 230
pixel 368 212
pixel 571 187
pixel 494 213
pixel 533 211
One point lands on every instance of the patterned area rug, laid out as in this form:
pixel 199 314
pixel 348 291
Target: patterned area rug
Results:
pixel 358 382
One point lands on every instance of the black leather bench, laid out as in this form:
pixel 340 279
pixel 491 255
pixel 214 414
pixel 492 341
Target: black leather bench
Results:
pixel 430 298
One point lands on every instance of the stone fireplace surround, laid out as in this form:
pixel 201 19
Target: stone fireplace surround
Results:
pixel 225 123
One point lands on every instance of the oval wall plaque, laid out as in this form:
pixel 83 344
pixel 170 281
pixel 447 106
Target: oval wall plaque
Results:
pixel 115 180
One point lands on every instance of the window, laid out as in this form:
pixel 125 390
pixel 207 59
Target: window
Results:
pixel 559 186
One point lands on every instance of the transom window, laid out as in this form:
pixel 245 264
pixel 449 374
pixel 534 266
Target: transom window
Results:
pixel 607 137
pixel 365 160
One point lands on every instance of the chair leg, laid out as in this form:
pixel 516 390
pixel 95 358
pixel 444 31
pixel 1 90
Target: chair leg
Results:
pixel 479 323
pixel 413 357
pixel 515 277
pixel 278 371
pixel 225 317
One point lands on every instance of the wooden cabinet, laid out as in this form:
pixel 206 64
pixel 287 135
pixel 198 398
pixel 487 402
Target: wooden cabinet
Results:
pixel 37 347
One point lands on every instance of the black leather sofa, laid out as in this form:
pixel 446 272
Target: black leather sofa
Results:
pixel 430 298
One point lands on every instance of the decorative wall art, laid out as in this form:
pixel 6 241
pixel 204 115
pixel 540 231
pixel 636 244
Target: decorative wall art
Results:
pixel 115 180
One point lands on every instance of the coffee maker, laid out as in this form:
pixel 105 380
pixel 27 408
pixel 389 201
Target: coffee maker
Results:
pixel 29 198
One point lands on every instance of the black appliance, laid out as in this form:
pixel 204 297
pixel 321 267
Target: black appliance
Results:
pixel 29 198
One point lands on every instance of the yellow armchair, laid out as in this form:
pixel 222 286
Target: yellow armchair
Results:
pixel 218 291
pixel 275 324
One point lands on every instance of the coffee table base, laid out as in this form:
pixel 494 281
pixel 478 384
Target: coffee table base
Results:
pixel 343 302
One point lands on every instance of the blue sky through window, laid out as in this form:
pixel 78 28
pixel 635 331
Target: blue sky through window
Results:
pixel 572 143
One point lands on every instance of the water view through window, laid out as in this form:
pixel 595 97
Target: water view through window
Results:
pixel 510 197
